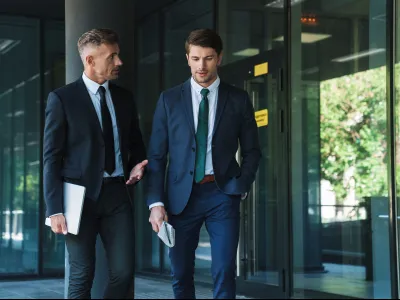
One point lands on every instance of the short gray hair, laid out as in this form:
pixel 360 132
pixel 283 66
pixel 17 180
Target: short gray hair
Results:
pixel 97 37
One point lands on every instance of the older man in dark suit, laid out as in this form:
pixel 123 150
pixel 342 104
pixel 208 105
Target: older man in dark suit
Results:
pixel 92 138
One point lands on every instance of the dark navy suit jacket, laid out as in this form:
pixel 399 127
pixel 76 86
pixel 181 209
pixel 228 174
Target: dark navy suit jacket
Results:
pixel 173 142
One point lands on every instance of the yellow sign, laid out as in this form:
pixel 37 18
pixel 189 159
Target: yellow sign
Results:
pixel 261 117
pixel 261 69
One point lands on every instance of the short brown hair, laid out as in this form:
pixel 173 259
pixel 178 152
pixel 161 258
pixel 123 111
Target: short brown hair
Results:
pixel 204 38
pixel 97 37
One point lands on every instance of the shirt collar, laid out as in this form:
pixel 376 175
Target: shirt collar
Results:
pixel 212 88
pixel 93 86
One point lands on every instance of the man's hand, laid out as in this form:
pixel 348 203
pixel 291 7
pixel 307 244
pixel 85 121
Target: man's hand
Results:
pixel 157 216
pixel 58 224
pixel 137 172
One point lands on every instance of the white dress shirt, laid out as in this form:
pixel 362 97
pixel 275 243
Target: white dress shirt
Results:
pixel 93 90
pixel 212 109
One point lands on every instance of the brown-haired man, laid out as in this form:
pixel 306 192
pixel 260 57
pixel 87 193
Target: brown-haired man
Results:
pixel 198 125
pixel 92 138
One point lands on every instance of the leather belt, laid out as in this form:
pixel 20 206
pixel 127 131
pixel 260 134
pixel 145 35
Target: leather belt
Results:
pixel 113 179
pixel 207 178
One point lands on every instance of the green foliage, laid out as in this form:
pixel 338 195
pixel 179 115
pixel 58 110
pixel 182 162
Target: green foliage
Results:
pixel 353 132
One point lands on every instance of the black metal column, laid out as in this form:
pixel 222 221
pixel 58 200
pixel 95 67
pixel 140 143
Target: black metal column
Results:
pixel 391 120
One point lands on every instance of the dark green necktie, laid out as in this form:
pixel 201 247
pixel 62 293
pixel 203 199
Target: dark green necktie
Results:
pixel 201 137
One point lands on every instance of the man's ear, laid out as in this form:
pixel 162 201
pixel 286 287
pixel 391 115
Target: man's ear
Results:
pixel 187 57
pixel 89 60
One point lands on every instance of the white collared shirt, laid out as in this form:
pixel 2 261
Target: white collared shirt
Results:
pixel 93 90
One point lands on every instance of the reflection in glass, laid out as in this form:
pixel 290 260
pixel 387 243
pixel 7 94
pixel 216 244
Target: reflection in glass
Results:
pixel 249 28
pixel 19 145
pixel 339 149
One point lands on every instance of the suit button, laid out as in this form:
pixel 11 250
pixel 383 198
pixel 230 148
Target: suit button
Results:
pixel 213 146
pixel 193 149
pixel 191 172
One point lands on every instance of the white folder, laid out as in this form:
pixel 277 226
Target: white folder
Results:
pixel 73 196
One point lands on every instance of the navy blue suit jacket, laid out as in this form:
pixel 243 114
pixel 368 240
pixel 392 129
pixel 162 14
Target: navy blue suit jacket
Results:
pixel 173 142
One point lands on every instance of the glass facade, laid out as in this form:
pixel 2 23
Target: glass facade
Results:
pixel 30 68
pixel 321 219
pixel 20 150
pixel 339 157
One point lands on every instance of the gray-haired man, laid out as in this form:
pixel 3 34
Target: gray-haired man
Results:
pixel 92 138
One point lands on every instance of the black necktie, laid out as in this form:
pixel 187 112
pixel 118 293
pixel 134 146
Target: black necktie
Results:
pixel 108 135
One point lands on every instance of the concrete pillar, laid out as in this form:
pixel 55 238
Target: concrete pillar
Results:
pixel 81 16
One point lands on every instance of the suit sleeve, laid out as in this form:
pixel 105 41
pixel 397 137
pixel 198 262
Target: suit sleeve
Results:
pixel 249 144
pixel 136 145
pixel 53 153
pixel 158 151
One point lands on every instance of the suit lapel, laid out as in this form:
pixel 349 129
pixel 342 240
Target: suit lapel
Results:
pixel 89 107
pixel 187 103
pixel 222 97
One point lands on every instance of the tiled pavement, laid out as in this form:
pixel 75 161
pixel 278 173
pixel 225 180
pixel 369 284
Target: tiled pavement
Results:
pixel 54 289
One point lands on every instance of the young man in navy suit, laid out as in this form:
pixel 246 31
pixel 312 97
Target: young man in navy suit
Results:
pixel 198 127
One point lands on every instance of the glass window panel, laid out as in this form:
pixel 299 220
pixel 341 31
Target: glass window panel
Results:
pixel 339 148
pixel 19 145
pixel 249 28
